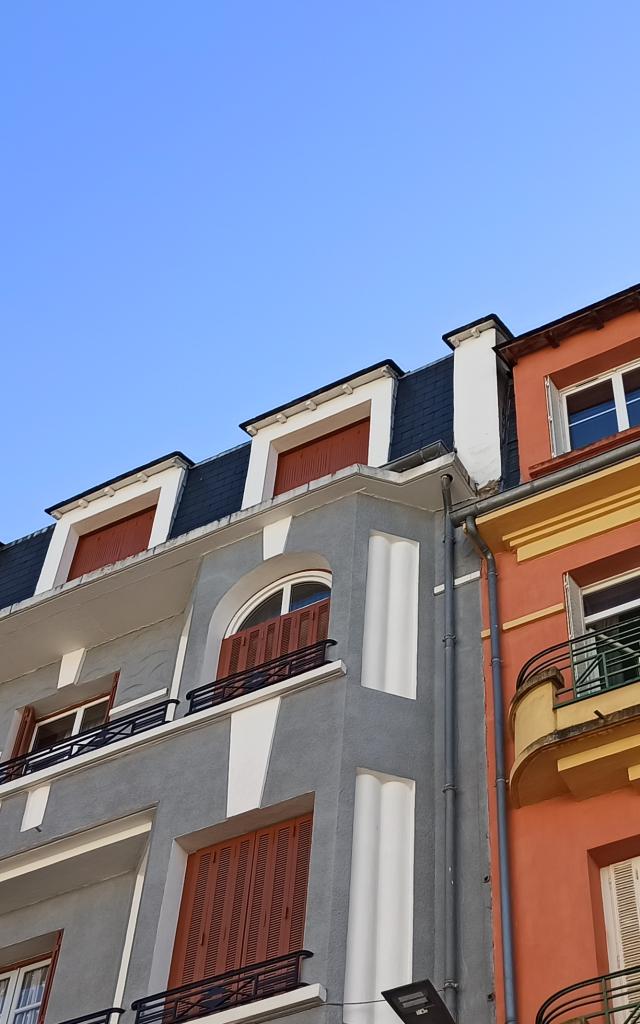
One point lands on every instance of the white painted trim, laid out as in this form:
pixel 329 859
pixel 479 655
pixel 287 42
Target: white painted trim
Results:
pixel 272 1008
pixel 147 698
pixel 132 921
pixel 476 407
pixel 70 667
pixel 284 584
pixel 162 489
pixel 252 732
pixel 390 637
pixel 315 676
pixel 459 581
pixel 168 919
pixel 274 537
pixel 61 850
pixel 35 807
pixel 176 677
pixel 371 398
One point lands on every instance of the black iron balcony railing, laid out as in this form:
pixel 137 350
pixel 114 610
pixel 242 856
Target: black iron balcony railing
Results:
pixel 246 985
pixel 99 1017
pixel 284 667
pixel 611 999
pixel 600 660
pixel 83 742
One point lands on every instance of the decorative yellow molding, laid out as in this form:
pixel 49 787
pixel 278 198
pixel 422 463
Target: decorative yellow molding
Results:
pixel 555 519
pixel 541 613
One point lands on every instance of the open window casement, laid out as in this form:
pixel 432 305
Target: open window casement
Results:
pixel 584 653
pixel 621 900
pixel 556 417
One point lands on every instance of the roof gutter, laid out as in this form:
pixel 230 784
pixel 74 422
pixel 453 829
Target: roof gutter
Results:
pixel 547 483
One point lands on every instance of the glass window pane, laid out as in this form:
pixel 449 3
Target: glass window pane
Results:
pixel 48 733
pixel 29 1016
pixel 303 594
pixel 32 986
pixel 632 395
pixel 94 716
pixel 4 985
pixel 270 608
pixel 612 597
pixel 592 414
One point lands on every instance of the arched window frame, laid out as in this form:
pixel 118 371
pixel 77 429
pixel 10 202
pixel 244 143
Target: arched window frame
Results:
pixel 285 583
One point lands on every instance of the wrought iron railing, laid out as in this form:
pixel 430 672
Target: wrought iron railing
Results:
pixel 99 1017
pixel 246 985
pixel 610 999
pixel 600 660
pixel 275 671
pixel 83 742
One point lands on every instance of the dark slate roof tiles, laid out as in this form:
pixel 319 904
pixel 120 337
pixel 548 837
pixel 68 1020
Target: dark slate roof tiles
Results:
pixel 20 565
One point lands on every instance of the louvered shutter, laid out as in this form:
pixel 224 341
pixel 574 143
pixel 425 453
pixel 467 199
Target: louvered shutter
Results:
pixel 277 901
pixel 111 543
pixel 213 911
pixel 24 734
pixel 253 647
pixel 324 455
pixel 621 896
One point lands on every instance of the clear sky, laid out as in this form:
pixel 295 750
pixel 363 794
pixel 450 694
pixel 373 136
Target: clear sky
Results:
pixel 212 206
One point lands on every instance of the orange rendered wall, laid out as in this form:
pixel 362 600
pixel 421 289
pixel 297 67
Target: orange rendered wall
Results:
pixel 575 359
pixel 557 910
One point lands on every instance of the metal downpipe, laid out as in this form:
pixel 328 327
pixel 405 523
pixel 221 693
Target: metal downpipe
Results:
pixel 501 779
pixel 450 761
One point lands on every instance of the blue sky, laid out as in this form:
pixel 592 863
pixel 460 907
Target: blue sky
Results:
pixel 211 207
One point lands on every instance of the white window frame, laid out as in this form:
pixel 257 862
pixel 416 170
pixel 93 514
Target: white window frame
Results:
pixel 79 712
pixel 595 617
pixel 622 415
pixel 15 977
pixel 285 584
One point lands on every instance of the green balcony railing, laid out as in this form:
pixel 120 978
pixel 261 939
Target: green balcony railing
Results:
pixel 599 660
pixel 610 999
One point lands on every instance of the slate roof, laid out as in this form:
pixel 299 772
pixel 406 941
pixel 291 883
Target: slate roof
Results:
pixel 424 409
pixel 20 565
pixel 213 489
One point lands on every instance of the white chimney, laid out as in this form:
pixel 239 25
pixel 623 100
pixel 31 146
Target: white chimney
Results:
pixel 477 398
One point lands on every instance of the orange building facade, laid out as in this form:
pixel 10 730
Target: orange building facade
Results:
pixel 567 551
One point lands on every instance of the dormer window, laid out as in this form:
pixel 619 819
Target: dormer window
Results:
pixel 336 450
pixel 581 415
pixel 111 543
pixel 348 423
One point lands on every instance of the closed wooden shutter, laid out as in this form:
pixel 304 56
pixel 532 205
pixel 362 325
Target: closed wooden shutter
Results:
pixel 243 902
pixel 621 896
pixel 328 454
pixel 111 543
pixel 253 647
pixel 24 734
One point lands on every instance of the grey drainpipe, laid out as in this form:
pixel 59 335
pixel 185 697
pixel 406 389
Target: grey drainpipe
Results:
pixel 501 779
pixel 450 824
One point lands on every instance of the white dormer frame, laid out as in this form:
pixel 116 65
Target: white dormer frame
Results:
pixel 159 485
pixel 369 396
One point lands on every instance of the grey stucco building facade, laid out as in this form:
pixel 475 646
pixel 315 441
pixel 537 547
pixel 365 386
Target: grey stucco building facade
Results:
pixel 103 818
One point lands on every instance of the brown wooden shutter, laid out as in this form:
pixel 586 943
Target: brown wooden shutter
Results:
pixel 25 731
pixel 213 911
pixel 259 644
pixel 277 902
pixel 328 454
pixel 55 953
pixel 111 543
pixel 243 901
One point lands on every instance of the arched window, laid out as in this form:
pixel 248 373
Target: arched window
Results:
pixel 287 616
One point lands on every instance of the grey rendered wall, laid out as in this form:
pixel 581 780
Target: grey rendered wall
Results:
pixel 323 735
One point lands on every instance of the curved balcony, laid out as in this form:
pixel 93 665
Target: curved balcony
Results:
pixel 575 716
pixel 610 999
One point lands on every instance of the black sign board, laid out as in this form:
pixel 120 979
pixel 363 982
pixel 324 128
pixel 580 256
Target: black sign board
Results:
pixel 418 1003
